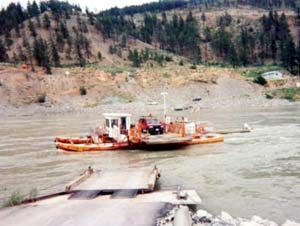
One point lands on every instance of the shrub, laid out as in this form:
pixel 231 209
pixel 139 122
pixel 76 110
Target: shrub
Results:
pixel 82 91
pixel 181 62
pixel 269 96
pixel 292 93
pixel 41 99
pixel 99 55
pixel 260 80
pixel 14 199
pixel 33 194
pixel 168 58
pixel 193 67
pixel 166 75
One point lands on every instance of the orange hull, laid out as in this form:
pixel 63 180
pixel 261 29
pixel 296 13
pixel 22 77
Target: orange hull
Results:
pixel 66 140
pixel 92 147
pixel 78 145
pixel 206 140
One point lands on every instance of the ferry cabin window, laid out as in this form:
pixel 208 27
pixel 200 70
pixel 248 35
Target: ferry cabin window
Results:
pixel 123 125
pixel 123 122
pixel 107 122
pixel 114 122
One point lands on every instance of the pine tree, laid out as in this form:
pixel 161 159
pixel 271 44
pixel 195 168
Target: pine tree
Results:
pixel 78 46
pixel 69 49
pixel 15 59
pixel 207 39
pixel 245 47
pixel 261 47
pixel 60 40
pixel 46 21
pixel 43 6
pixel 298 16
pixel 82 27
pixel 288 55
pixel 233 57
pixel 297 58
pixel 62 27
pixel 29 52
pixel 8 40
pixel 33 9
pixel 17 30
pixel 130 55
pixel 41 54
pixel 135 58
pixel 54 53
pixel 99 55
pixel 21 55
pixel 46 60
pixel 123 41
pixel 3 52
pixel 38 21
pixel 91 17
pixel 86 45
pixel 37 51
pixel 112 49
pixel 203 17
pixel 32 28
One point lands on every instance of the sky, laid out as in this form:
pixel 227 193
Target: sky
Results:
pixel 93 5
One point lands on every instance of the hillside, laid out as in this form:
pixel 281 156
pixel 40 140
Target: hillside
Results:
pixel 57 33
pixel 132 54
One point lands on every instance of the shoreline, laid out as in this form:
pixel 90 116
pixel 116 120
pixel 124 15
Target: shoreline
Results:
pixel 138 107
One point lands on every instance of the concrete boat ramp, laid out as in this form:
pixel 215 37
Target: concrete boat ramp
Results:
pixel 127 197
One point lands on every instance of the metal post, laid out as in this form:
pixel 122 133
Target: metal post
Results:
pixel 164 94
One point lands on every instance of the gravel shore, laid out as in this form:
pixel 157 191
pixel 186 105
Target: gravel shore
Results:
pixel 228 93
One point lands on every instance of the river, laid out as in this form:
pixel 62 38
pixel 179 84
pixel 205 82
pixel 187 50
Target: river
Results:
pixel 249 174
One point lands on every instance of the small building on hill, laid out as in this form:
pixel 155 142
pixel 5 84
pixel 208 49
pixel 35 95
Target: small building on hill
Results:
pixel 273 75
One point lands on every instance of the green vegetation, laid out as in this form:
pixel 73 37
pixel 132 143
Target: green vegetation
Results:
pixel 14 199
pixel 114 70
pixel 166 75
pixel 99 55
pixel 144 55
pixel 193 67
pixel 3 52
pixel 291 94
pixel 260 80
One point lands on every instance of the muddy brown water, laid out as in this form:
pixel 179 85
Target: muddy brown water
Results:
pixel 249 174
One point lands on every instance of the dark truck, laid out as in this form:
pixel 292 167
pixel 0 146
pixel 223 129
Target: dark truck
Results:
pixel 151 125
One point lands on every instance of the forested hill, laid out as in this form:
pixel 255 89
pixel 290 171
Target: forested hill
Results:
pixel 233 32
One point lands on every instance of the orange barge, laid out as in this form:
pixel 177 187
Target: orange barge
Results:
pixel 120 135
